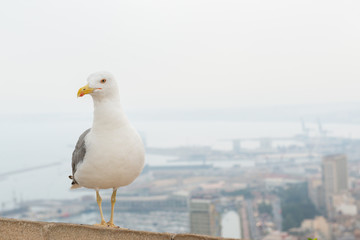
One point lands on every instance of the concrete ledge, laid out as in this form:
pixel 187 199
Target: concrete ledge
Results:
pixel 13 229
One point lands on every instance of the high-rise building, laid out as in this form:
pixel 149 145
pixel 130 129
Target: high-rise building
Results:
pixel 319 226
pixel 204 217
pixel 335 179
pixel 316 193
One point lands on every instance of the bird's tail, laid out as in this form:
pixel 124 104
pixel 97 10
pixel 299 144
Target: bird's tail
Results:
pixel 74 184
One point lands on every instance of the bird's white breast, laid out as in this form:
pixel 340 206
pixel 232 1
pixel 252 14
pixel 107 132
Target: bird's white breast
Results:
pixel 113 158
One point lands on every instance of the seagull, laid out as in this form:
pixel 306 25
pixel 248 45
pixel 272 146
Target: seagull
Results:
pixel 111 153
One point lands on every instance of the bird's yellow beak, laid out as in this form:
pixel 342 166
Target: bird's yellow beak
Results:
pixel 85 90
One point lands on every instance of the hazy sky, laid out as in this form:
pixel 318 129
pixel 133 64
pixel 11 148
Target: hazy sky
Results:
pixel 179 54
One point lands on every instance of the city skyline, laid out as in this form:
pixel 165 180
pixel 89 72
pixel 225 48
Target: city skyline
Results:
pixel 249 112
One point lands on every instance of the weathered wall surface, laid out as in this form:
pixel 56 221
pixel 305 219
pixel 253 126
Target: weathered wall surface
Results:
pixel 13 229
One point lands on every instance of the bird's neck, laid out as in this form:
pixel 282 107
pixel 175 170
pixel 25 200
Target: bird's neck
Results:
pixel 108 115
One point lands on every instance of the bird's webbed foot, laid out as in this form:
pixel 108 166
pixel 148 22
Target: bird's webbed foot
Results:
pixel 112 225
pixel 102 224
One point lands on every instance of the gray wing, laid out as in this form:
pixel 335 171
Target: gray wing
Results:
pixel 78 154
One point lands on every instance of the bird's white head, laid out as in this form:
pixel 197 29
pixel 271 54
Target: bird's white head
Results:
pixel 100 85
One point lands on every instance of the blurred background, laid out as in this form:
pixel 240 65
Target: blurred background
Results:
pixel 249 110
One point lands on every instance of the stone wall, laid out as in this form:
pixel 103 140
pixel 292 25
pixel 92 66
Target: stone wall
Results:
pixel 13 229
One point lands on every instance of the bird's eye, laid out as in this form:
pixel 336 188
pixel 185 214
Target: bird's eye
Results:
pixel 103 80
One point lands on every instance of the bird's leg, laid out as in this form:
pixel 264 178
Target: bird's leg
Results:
pixel 98 199
pixel 113 200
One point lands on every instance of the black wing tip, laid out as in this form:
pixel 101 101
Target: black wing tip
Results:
pixel 74 181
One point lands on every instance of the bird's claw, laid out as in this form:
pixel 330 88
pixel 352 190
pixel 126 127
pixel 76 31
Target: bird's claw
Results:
pixel 112 225
pixel 102 224
pixel 106 224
